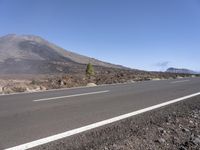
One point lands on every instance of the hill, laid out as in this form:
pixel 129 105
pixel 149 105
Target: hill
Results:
pixel 29 54
pixel 178 70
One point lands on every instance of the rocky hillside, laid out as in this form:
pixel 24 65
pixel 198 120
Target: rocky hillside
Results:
pixel 31 54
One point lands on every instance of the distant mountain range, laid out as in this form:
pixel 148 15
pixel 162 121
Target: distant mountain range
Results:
pixel 29 54
pixel 179 70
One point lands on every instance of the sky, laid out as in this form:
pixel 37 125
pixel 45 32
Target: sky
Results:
pixel 142 34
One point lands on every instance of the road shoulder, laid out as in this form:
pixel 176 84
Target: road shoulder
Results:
pixel 175 126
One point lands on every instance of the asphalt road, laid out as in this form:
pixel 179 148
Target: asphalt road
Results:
pixel 32 116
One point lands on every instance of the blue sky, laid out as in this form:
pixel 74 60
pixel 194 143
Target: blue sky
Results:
pixel 142 34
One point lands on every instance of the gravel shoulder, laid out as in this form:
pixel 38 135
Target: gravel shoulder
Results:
pixel 173 127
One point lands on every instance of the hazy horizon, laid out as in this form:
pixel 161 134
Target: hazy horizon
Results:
pixel 148 35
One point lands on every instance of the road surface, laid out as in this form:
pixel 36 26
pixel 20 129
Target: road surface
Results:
pixel 29 117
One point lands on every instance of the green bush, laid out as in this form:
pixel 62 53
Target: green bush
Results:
pixel 90 70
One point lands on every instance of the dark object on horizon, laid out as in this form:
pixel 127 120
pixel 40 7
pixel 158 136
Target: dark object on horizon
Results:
pixel 178 70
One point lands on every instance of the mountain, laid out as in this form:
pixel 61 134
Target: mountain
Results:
pixel 29 54
pixel 178 70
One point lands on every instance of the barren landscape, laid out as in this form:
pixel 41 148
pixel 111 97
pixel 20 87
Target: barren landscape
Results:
pixel 99 75
pixel 29 83
pixel 29 63
pixel 32 64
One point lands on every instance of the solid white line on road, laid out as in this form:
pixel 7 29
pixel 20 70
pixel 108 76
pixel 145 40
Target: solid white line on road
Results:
pixel 95 125
pixel 75 95
pixel 180 81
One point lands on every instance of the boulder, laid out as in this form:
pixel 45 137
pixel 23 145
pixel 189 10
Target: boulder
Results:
pixel 1 89
pixel 91 84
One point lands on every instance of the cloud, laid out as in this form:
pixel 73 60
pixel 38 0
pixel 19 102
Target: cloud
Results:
pixel 163 65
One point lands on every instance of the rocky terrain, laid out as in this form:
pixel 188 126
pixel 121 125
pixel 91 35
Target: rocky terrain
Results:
pixel 107 76
pixel 25 83
pixel 14 86
pixel 174 127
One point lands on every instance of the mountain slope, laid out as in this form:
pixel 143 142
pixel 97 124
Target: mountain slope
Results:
pixel 32 54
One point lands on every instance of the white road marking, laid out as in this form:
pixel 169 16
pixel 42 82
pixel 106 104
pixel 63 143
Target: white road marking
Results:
pixel 179 81
pixel 95 125
pixel 75 95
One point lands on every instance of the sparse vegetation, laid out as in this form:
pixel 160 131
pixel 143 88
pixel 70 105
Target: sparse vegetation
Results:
pixel 33 82
pixel 90 70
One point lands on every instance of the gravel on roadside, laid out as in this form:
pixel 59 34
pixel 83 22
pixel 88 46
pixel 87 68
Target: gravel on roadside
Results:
pixel 174 127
